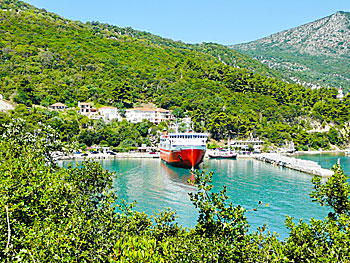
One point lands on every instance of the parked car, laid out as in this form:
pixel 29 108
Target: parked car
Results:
pixel 94 152
pixel 111 153
pixel 84 154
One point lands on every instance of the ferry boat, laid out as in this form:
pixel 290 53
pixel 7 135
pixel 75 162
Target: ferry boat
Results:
pixel 183 149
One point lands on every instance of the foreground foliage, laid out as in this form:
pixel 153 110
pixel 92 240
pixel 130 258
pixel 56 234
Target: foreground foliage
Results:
pixel 49 213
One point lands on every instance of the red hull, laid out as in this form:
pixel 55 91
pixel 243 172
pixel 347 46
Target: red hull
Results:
pixel 187 158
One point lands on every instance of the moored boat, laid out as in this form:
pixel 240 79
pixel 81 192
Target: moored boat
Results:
pixel 221 154
pixel 183 149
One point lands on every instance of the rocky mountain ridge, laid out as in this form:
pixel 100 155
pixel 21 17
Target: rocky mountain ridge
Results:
pixel 317 53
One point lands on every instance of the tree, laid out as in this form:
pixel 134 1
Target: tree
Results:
pixel 323 240
pixel 178 113
pixel 46 58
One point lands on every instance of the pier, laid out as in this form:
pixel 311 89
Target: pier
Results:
pixel 304 166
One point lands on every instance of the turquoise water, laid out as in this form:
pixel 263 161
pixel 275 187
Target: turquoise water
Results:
pixel 327 160
pixel 155 185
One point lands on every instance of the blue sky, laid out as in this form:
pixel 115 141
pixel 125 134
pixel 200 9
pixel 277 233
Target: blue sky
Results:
pixel 196 21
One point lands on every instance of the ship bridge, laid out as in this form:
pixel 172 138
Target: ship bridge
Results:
pixel 187 139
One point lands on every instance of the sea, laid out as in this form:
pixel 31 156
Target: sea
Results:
pixel 156 186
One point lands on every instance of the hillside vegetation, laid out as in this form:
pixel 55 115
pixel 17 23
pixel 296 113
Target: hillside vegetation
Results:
pixel 46 58
pixel 224 54
pixel 317 53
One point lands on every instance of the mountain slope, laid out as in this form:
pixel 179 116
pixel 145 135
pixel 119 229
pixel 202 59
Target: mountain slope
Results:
pixel 45 58
pixel 222 53
pixel 317 52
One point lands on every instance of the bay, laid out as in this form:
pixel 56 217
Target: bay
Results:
pixel 327 160
pixel 155 185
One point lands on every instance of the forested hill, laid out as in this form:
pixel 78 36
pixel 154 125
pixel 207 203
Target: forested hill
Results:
pixel 316 53
pixel 46 58
pixel 224 54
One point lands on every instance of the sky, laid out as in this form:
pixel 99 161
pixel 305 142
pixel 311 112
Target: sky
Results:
pixel 195 21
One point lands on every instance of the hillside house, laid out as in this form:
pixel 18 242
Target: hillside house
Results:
pixel 58 106
pixel 340 94
pixel 5 105
pixel 109 113
pixel 154 115
pixel 85 108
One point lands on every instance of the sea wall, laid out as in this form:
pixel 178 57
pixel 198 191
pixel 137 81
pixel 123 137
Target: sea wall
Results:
pixel 304 166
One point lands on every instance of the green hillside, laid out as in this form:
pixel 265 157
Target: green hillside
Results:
pixel 224 54
pixel 315 54
pixel 46 58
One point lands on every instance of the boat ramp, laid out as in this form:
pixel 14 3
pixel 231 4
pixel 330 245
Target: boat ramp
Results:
pixel 304 166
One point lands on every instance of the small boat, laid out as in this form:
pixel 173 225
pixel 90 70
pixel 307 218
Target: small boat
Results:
pixel 222 154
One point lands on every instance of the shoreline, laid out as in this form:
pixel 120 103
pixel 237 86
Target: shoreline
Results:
pixel 102 156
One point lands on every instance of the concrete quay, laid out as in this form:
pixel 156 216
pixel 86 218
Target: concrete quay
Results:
pixel 304 166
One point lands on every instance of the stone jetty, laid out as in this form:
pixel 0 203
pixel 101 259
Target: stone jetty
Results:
pixel 304 166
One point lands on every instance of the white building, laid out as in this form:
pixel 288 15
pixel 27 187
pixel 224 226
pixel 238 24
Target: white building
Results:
pixel 5 105
pixel 340 94
pixel 155 115
pixel 58 106
pixel 109 113
pixel 163 115
pixel 245 144
pixel 87 109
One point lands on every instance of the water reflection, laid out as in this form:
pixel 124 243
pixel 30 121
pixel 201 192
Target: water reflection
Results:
pixel 177 174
